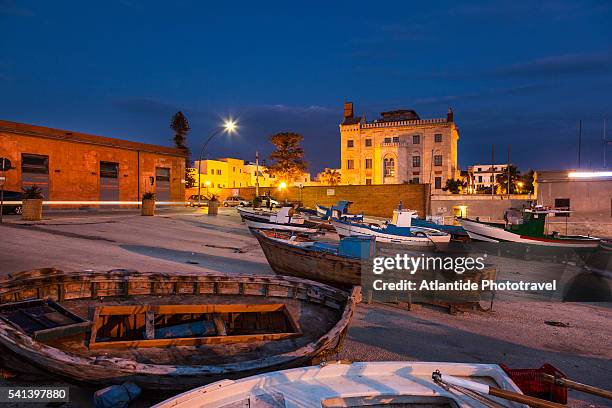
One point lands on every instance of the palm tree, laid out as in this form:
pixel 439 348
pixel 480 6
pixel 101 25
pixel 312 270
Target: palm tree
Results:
pixel 331 177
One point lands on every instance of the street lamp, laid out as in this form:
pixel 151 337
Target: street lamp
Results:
pixel 230 127
pixel 207 185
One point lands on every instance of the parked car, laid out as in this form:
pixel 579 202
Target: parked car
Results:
pixel 267 201
pixel 235 201
pixel 192 201
pixel 12 208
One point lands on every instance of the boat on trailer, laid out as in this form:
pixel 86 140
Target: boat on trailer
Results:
pixel 525 226
pixel 283 219
pixel 397 231
pixel 362 384
pixel 166 332
pixel 334 263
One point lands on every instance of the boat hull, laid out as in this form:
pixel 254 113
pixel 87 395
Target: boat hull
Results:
pixel 345 229
pixel 480 231
pixel 295 260
pixel 104 368
pixel 264 224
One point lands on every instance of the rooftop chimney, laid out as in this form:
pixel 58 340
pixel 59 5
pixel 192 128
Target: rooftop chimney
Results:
pixel 449 115
pixel 348 110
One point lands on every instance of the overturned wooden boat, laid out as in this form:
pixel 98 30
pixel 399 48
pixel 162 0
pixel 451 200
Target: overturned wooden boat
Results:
pixel 376 384
pixel 167 331
pixel 337 264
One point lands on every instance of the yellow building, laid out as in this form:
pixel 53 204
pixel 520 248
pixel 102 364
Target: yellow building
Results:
pixel 399 147
pixel 235 173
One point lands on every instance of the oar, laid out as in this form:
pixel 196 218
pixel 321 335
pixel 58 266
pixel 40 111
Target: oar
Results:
pixel 494 391
pixel 577 386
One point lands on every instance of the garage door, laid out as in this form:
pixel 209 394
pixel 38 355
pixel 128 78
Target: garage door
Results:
pixel 162 184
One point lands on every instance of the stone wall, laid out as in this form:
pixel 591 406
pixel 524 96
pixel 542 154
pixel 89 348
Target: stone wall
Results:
pixel 486 207
pixel 375 200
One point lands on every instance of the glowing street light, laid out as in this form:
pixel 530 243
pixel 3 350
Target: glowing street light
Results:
pixel 282 186
pixel 229 126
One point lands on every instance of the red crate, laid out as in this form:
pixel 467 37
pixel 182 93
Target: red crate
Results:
pixel 530 381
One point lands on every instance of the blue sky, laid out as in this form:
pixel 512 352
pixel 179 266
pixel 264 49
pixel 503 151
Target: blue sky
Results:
pixel 519 73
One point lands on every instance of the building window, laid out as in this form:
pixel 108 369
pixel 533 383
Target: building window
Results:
pixel 415 180
pixel 480 169
pixel 416 139
pixel 218 172
pixel 368 163
pixel 387 140
pixel 368 142
pixel 438 183
pixel 389 167
pixel 219 185
pixel 416 161
pixel 109 170
pixel 349 143
pixel 395 139
pixel 33 163
pixel 480 179
pixel 438 138
pixel 438 160
pixel 234 169
pixel 350 164
pixel 368 182
pixel 562 204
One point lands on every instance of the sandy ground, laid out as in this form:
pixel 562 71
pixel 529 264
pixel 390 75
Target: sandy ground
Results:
pixel 184 240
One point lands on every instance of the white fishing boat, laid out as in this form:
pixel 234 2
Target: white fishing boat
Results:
pixel 525 226
pixel 282 220
pixel 339 210
pixel 376 384
pixel 397 231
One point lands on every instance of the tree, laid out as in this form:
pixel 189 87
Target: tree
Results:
pixel 331 177
pixel 455 186
pixel 287 161
pixel 502 180
pixel 527 179
pixel 180 125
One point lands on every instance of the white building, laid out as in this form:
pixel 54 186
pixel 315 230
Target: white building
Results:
pixel 482 175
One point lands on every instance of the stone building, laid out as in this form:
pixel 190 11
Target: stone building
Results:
pixel 73 166
pixel 482 176
pixel 399 147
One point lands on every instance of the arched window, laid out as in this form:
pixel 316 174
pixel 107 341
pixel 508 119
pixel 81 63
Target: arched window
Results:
pixel 389 167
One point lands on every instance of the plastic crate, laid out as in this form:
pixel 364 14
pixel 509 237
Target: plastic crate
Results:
pixel 530 381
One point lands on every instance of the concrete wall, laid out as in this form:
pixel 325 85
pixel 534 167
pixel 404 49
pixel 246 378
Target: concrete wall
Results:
pixel 74 167
pixel 590 202
pixel 485 207
pixel 375 200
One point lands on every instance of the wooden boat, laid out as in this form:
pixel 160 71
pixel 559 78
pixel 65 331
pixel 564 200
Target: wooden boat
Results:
pixel 393 384
pixel 167 331
pixel 525 226
pixel 397 231
pixel 337 264
pixel 282 220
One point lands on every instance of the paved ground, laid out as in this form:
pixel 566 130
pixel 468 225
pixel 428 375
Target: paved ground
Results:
pixel 186 240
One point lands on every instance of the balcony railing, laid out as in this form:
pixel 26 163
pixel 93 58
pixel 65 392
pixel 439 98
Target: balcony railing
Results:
pixel 404 123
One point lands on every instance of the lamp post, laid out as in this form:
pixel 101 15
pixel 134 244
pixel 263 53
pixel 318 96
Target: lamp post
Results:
pixel 229 126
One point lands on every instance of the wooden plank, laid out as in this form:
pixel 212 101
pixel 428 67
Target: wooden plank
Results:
pixel 149 325
pixel 193 341
pixel 61 331
pixel 219 325
pixel 185 309
pixel 97 323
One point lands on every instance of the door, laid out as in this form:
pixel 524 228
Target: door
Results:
pixel 35 171
pixel 162 184
pixel 109 181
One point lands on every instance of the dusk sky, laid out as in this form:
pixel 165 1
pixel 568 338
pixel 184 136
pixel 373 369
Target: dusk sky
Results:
pixel 519 73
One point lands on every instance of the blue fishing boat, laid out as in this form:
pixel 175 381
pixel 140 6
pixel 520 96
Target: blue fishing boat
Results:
pixel 340 210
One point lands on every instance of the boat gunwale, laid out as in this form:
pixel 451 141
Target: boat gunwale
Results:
pixel 22 344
